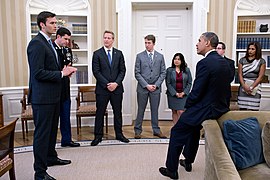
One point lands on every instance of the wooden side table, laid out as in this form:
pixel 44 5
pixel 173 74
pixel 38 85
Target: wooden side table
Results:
pixel 1 111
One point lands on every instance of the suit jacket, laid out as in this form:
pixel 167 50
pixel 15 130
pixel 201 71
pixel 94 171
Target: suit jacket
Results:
pixel 211 86
pixel 171 81
pixel 232 67
pixel 149 73
pixel 64 60
pixel 106 73
pixel 45 72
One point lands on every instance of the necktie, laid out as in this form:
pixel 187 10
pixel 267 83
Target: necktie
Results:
pixel 150 57
pixel 50 42
pixel 109 57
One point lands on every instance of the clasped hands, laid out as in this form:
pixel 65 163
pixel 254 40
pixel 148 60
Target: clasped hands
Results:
pixel 248 89
pixel 112 86
pixel 68 70
pixel 180 95
pixel 151 87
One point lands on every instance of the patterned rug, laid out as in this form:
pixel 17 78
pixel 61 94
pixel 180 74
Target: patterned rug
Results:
pixel 111 159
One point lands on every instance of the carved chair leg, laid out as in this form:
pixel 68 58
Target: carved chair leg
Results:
pixel 23 129
pixel 106 123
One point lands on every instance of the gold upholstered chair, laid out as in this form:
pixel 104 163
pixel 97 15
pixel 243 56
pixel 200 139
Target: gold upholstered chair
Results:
pixel 7 149
pixel 86 105
pixel 26 113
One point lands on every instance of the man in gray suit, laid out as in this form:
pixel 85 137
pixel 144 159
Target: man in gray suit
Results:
pixel 150 71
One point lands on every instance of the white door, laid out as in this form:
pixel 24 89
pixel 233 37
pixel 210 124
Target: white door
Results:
pixel 172 29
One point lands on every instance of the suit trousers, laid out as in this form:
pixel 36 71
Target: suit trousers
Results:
pixel 182 136
pixel 65 126
pixel 154 99
pixel 46 118
pixel 102 101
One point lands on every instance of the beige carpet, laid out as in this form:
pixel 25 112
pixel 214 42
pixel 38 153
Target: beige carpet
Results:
pixel 134 161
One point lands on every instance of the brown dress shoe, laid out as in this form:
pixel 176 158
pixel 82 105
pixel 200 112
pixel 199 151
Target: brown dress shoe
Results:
pixel 160 135
pixel 137 136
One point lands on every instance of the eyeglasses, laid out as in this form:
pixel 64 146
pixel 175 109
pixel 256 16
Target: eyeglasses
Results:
pixel 218 48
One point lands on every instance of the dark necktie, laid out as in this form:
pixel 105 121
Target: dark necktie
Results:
pixel 109 57
pixel 150 57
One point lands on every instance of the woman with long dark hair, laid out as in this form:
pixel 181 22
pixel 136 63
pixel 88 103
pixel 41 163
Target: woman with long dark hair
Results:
pixel 251 70
pixel 178 82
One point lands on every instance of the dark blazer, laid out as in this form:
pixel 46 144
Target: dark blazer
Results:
pixel 45 72
pixel 211 86
pixel 105 73
pixel 62 57
pixel 171 81
pixel 232 67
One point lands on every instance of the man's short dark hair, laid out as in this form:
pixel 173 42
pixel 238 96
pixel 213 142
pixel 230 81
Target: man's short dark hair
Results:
pixel 222 44
pixel 62 31
pixel 212 37
pixel 151 37
pixel 42 17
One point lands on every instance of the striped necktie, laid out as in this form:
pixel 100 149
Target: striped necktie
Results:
pixel 50 42
pixel 150 57
pixel 109 57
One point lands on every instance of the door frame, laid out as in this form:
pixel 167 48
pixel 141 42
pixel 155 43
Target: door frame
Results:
pixel 124 9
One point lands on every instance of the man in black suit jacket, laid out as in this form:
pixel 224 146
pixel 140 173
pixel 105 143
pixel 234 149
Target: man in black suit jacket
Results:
pixel 65 58
pixel 44 94
pixel 207 100
pixel 108 66
pixel 221 47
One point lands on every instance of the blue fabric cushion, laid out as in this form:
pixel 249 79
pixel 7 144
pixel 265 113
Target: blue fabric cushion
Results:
pixel 243 140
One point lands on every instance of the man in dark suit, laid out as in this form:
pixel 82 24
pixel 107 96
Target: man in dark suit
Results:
pixel 65 58
pixel 108 66
pixel 221 47
pixel 207 100
pixel 44 94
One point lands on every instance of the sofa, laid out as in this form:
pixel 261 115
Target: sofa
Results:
pixel 218 162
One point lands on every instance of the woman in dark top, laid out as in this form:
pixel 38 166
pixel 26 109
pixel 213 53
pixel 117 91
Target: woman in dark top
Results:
pixel 251 70
pixel 178 82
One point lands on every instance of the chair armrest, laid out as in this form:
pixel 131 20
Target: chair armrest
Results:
pixel 217 155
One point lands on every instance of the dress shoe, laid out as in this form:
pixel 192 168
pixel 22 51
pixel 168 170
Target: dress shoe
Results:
pixel 122 139
pixel 70 144
pixel 96 141
pixel 58 161
pixel 187 166
pixel 165 172
pixel 45 177
pixel 137 136
pixel 160 135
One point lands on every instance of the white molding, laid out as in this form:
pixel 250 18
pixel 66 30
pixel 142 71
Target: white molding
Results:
pixel 253 7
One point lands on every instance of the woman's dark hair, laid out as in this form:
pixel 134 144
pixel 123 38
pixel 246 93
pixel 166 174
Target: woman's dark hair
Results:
pixel 258 54
pixel 183 62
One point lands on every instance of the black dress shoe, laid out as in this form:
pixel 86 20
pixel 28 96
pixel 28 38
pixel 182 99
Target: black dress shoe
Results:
pixel 187 166
pixel 45 177
pixel 96 141
pixel 165 172
pixel 70 144
pixel 59 162
pixel 122 139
